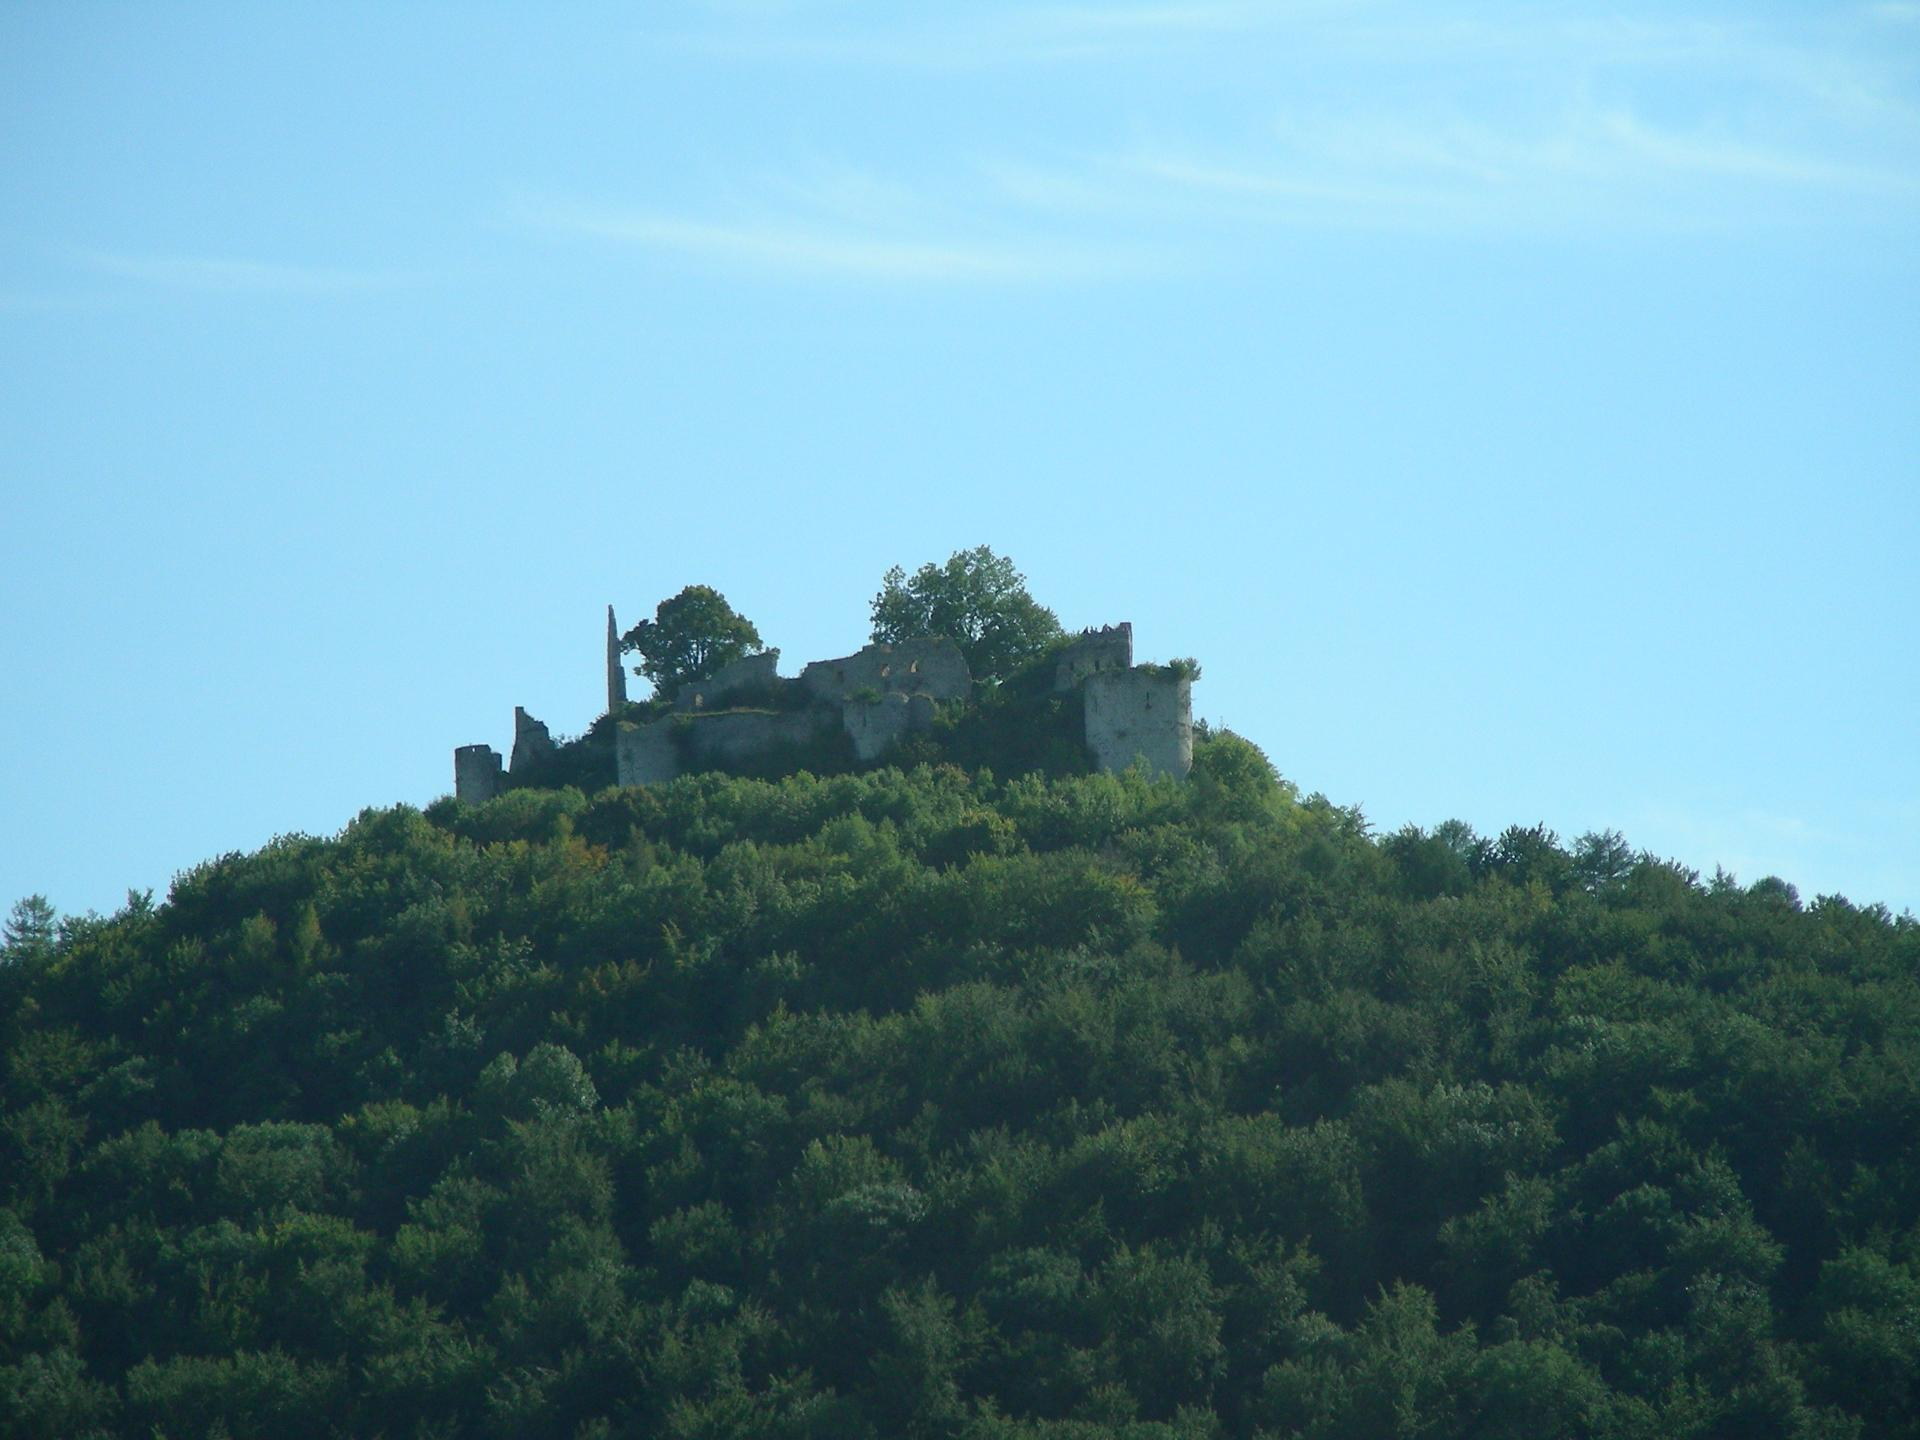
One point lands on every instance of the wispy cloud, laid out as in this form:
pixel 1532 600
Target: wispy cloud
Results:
pixel 1223 15
pixel 1590 165
pixel 1388 32
pixel 1617 141
pixel 1319 115
pixel 1081 29
pixel 988 34
pixel 808 245
pixel 48 301
pixel 1159 205
pixel 231 276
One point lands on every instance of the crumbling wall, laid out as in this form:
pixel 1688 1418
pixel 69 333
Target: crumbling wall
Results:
pixel 1145 713
pixel 645 754
pixel 873 725
pixel 476 774
pixel 873 697
pixel 742 736
pixel 751 675
pixel 931 667
pixel 654 754
pixel 531 741
pixel 616 671
pixel 1091 651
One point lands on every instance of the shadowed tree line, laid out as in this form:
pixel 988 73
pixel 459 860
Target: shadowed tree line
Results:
pixel 930 1103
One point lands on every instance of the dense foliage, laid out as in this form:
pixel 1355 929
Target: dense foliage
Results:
pixel 922 1103
pixel 979 601
pixel 691 635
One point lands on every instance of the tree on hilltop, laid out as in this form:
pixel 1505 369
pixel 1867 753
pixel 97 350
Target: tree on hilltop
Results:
pixel 690 636
pixel 29 930
pixel 978 601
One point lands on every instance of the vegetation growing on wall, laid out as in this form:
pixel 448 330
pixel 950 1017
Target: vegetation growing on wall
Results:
pixel 1015 727
pixel 928 1103
pixel 691 635
pixel 978 600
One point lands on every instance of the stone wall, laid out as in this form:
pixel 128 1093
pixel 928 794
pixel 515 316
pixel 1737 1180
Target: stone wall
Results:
pixel 476 774
pixel 929 667
pixel 1091 651
pixel 654 754
pixel 754 675
pixel 873 725
pixel 1144 713
pixel 746 735
pixel 645 754
pixel 531 741
pixel 874 697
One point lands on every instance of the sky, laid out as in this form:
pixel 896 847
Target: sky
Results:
pixel 1514 407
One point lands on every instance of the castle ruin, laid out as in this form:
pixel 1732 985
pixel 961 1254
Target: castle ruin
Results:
pixel 747 711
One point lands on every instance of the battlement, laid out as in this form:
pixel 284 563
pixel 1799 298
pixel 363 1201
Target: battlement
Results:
pixel 1092 651
pixel 747 712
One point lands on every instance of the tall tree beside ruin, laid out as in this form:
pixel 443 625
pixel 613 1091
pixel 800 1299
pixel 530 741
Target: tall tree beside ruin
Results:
pixel 690 636
pixel 977 600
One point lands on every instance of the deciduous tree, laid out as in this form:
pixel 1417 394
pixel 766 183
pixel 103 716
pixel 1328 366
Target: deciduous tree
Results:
pixel 690 636
pixel 978 601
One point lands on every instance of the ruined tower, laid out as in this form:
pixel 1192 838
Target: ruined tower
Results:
pixel 1143 713
pixel 616 672
pixel 476 774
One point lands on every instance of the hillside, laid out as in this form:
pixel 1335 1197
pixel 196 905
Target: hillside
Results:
pixel 920 1102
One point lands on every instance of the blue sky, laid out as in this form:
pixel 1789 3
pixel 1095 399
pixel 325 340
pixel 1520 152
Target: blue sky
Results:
pixel 1516 408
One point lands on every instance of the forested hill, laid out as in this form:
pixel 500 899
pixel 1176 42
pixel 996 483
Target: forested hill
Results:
pixel 930 1104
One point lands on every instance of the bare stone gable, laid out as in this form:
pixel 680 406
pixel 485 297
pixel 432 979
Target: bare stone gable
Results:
pixel 912 667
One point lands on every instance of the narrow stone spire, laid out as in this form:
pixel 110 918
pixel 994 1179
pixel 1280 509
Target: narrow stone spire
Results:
pixel 616 672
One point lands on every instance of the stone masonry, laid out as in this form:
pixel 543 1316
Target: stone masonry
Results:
pixel 747 710
pixel 1145 713
pixel 1091 651
pixel 912 667
pixel 531 741
pixel 476 774
pixel 874 724
pixel 616 670
pixel 873 696
pixel 752 676
pixel 645 755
